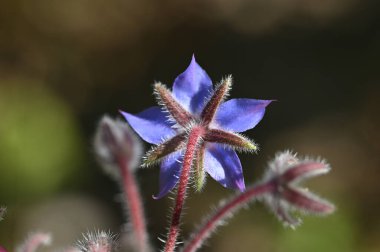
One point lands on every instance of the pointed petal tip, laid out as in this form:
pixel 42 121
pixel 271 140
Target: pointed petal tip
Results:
pixel 121 112
pixel 151 118
pixel 270 101
pixel 265 103
pixel 124 114
pixel 191 87
pixel 161 194
pixel 156 197
pixel 240 185
pixel 193 63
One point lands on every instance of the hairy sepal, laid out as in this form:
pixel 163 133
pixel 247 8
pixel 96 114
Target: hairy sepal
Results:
pixel 233 140
pixel 157 153
pixel 167 101
pixel 307 202
pixel 220 94
pixel 199 171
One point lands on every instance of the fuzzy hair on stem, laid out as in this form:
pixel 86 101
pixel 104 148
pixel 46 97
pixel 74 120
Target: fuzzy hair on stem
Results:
pixel 195 139
pixel 225 211
pixel 34 241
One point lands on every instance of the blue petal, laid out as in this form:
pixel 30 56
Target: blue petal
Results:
pixel 169 173
pixel 224 166
pixel 151 125
pixel 241 114
pixel 192 87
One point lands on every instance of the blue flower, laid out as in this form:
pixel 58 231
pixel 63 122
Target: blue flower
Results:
pixel 194 102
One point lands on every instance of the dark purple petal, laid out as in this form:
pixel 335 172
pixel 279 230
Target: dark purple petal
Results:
pixel 224 166
pixel 2 249
pixel 241 114
pixel 192 87
pixel 151 125
pixel 169 173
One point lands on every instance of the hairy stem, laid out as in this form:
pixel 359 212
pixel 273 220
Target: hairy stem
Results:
pixel 225 211
pixel 134 205
pixel 195 136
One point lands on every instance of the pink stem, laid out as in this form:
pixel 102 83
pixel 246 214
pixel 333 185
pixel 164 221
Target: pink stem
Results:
pixel 224 212
pixel 194 138
pixel 134 205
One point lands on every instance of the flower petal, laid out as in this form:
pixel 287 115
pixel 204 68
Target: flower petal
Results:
pixel 224 166
pixel 151 124
pixel 241 114
pixel 169 173
pixel 192 87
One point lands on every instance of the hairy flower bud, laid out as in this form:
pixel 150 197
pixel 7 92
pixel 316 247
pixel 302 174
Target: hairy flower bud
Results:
pixel 286 172
pixel 34 241
pixel 99 241
pixel 114 143
pixel 2 213
pixel 3 210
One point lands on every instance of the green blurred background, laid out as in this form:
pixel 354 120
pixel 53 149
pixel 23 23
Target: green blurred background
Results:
pixel 63 64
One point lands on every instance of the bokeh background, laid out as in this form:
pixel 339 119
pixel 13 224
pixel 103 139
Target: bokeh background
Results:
pixel 63 64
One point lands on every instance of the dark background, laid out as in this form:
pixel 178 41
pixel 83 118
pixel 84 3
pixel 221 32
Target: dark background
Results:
pixel 63 64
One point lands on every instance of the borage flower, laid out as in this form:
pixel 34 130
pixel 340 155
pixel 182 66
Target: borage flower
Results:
pixel 194 106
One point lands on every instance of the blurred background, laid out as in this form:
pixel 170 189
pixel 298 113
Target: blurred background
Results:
pixel 63 64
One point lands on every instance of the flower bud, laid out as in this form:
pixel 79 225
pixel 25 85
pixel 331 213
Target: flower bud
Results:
pixel 34 241
pixel 114 143
pixel 286 172
pixel 99 241
pixel 3 210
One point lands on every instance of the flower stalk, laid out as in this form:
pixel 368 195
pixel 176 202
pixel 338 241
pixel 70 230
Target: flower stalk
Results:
pixel 134 205
pixel 195 137
pixel 118 151
pixel 226 211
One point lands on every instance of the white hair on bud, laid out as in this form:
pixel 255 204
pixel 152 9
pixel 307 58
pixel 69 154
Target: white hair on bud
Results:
pixel 34 241
pixel 3 211
pixel 115 139
pixel 98 241
pixel 283 208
